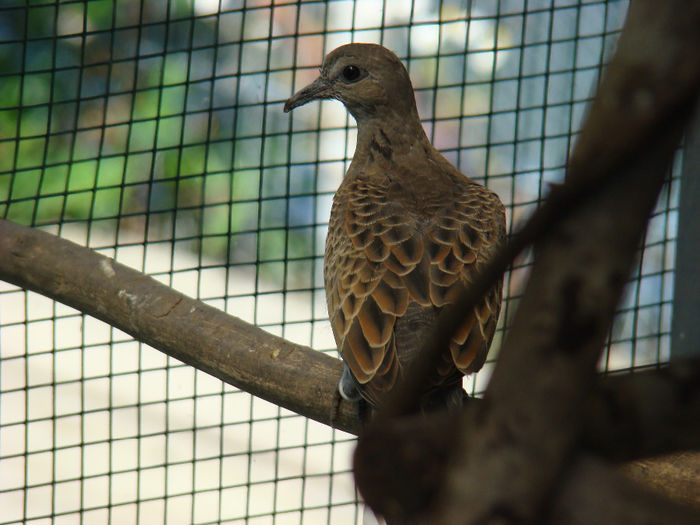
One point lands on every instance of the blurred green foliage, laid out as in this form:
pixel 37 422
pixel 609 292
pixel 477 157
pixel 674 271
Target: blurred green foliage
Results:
pixel 116 109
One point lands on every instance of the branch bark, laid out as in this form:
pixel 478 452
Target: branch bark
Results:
pixel 676 476
pixel 289 375
pixel 592 493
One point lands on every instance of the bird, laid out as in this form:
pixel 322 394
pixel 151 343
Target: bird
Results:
pixel 407 232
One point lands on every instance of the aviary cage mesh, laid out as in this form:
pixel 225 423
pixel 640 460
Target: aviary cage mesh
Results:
pixel 153 132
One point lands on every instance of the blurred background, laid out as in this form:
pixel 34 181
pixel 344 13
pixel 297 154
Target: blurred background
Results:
pixel 153 132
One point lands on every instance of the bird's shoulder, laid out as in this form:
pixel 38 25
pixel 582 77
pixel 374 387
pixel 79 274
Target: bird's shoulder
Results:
pixel 422 195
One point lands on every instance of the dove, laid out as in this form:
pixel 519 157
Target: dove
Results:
pixel 407 233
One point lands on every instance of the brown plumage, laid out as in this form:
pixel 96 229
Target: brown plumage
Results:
pixel 407 231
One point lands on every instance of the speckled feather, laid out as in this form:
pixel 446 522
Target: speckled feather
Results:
pixel 395 257
pixel 407 232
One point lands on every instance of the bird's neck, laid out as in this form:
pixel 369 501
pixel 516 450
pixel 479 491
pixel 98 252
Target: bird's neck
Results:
pixel 390 134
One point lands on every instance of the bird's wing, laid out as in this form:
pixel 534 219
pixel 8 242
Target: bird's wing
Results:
pixel 380 259
pixel 461 241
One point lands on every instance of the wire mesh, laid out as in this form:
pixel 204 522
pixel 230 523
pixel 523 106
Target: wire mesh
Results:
pixel 153 132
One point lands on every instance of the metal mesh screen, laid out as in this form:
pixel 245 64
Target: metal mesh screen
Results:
pixel 153 132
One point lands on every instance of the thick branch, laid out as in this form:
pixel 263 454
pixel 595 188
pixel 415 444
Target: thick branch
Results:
pixel 676 476
pixel 645 414
pixel 594 494
pixel 630 416
pixel 292 376
pixel 511 461
pixel 404 485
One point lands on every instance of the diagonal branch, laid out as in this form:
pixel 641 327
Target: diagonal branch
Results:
pixel 510 465
pixel 289 375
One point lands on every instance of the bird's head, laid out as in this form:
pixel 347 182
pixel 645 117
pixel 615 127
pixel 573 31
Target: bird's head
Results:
pixel 368 78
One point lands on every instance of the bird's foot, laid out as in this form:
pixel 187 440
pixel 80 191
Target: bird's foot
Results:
pixel 336 400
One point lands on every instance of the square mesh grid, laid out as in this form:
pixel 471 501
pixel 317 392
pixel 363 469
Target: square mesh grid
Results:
pixel 153 133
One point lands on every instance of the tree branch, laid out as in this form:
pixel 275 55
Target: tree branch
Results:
pixel 676 476
pixel 510 460
pixel 592 493
pixel 405 484
pixel 645 414
pixel 289 375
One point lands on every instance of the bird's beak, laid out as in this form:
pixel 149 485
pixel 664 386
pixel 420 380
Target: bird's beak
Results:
pixel 319 88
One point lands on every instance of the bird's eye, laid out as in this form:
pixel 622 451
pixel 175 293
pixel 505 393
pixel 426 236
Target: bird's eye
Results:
pixel 351 73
